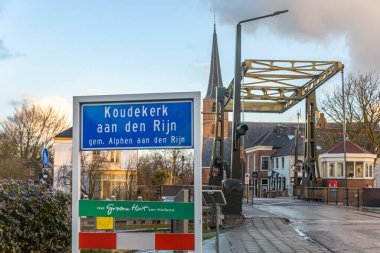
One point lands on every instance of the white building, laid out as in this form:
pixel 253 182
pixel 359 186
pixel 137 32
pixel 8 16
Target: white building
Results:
pixel 360 164
pixel 283 162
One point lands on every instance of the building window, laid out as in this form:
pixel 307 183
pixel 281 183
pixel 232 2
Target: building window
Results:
pixel 276 162
pixel 358 169
pixel 272 161
pixel 368 170
pixel 339 169
pixel 264 181
pixel 114 156
pixel 331 169
pixel 350 169
pixel 324 169
pixel 282 162
pixel 265 163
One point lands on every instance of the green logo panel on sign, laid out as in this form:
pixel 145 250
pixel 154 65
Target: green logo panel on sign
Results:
pixel 137 209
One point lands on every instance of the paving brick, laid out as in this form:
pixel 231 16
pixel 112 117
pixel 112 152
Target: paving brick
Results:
pixel 261 234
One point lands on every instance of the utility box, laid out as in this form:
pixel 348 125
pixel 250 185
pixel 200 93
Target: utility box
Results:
pixel 233 192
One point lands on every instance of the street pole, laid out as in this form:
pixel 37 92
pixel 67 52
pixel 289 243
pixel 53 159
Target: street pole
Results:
pixel 235 156
pixel 235 150
pixel 295 161
pixel 254 190
pixel 344 136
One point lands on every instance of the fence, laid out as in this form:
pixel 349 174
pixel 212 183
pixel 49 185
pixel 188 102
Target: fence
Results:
pixel 338 196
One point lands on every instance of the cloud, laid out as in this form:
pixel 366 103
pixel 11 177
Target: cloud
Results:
pixel 60 104
pixel 16 103
pixel 4 52
pixel 315 21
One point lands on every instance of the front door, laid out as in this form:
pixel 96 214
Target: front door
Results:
pixel 264 188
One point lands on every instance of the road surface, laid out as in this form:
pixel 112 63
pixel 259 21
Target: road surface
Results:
pixel 337 228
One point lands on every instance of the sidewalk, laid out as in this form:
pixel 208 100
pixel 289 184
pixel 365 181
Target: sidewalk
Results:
pixel 261 232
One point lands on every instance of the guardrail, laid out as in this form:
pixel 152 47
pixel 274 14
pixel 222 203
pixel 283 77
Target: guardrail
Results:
pixel 338 196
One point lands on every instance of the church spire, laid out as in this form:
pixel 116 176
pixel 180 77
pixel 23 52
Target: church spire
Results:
pixel 215 79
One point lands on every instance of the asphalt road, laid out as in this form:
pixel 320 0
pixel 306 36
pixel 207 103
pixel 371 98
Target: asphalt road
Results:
pixel 336 228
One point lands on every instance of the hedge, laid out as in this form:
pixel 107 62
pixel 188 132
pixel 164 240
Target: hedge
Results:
pixel 33 218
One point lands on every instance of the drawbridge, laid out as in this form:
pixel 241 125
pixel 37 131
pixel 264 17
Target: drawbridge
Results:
pixel 270 86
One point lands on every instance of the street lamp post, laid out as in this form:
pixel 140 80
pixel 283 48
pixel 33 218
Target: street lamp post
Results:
pixel 344 137
pixel 235 150
pixel 255 174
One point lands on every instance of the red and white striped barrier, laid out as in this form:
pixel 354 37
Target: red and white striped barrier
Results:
pixel 137 241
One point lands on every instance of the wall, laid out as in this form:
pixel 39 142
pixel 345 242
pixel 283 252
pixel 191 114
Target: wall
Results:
pixel 62 158
pixel 371 197
pixel 377 174
pixel 208 117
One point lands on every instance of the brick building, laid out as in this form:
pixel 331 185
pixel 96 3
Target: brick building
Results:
pixel 260 164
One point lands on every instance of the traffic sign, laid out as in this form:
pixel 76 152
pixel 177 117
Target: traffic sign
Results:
pixel 45 157
pixel 135 125
pixel 333 183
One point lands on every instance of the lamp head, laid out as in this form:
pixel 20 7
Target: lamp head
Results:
pixel 241 129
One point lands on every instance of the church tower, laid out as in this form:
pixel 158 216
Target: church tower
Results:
pixel 215 80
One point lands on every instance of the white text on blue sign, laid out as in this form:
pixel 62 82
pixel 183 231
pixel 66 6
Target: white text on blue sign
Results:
pixel 137 125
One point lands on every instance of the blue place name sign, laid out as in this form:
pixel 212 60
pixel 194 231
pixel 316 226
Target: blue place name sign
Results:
pixel 140 125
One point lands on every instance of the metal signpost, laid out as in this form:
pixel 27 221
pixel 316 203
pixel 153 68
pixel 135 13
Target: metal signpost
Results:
pixel 139 121
pixel 215 198
pixel 246 182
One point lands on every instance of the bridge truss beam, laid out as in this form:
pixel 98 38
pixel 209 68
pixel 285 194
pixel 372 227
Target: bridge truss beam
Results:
pixel 273 86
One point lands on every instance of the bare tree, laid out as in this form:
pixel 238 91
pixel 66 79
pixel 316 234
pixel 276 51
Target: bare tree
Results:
pixel 362 93
pixel 92 170
pixel 24 134
pixel 63 177
pixel 93 166
pixel 162 167
pixel 94 181
pixel 127 188
pixel 10 165
pixel 176 162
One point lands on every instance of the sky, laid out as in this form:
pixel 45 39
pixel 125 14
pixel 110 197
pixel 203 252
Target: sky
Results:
pixel 51 51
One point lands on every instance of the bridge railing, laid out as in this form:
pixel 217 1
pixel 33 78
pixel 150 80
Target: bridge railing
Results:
pixel 338 196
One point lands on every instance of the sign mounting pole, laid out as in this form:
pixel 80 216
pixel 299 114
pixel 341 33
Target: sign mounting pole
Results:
pixel 76 174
